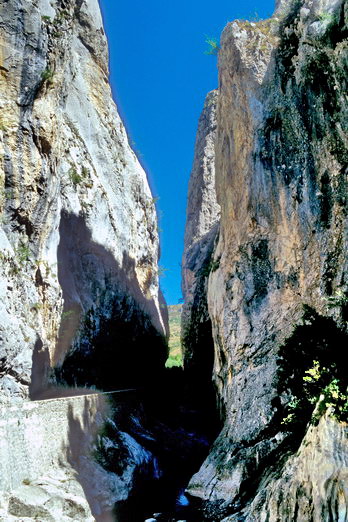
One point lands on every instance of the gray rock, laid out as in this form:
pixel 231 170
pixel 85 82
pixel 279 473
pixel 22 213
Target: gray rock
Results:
pixel 48 502
pixel 78 232
pixel 202 226
pixel 282 243
pixel 79 255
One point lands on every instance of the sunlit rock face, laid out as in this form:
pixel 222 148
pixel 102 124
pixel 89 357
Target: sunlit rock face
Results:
pixel 202 226
pixel 277 297
pixel 78 237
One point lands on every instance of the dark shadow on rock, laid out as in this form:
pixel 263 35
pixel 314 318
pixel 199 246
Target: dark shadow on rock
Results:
pixel 40 370
pixel 178 433
pixel 110 332
pixel 196 327
pixel 82 433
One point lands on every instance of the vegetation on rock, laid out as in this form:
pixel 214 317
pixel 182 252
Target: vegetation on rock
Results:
pixel 213 45
pixel 313 370
pixel 175 350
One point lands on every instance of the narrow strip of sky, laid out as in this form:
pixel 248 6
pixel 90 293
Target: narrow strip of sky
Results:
pixel 160 76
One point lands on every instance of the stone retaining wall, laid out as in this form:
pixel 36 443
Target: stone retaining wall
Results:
pixel 36 436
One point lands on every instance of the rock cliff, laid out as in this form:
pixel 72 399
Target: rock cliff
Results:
pixel 277 293
pixel 79 293
pixel 79 290
pixel 202 226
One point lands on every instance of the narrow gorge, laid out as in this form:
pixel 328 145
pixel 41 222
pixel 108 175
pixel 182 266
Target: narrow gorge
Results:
pixel 93 426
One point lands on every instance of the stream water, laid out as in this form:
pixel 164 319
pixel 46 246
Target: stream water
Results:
pixel 185 509
pixel 182 426
pixel 163 508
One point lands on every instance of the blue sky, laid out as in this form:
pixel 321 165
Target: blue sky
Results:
pixel 160 76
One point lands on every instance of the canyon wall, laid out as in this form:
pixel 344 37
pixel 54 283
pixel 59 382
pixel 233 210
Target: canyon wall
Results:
pixel 79 291
pixel 277 283
pixel 202 226
pixel 80 303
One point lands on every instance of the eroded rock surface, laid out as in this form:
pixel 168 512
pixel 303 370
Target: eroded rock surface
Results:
pixel 202 226
pixel 277 299
pixel 313 484
pixel 78 236
pixel 79 289
pixel 52 498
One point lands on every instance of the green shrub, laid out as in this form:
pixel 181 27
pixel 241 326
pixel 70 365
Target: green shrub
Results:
pixel 312 363
pixel 37 306
pixel 212 266
pixel 214 47
pixel 161 272
pixel 47 76
pixel 335 397
pixel 74 176
pixel 22 254
pixel 327 17
pixel 85 172
pixel 67 314
pixel 152 202
pixel 44 265
pixel 339 300
pixel 174 360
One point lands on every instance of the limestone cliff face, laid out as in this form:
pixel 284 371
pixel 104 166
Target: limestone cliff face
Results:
pixel 313 483
pixel 277 299
pixel 78 235
pixel 202 224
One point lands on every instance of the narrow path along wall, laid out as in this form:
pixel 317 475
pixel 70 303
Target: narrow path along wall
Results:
pixel 36 435
pixel 48 458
